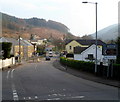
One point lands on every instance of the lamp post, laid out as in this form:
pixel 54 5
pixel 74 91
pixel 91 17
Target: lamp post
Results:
pixel 19 50
pixel 96 33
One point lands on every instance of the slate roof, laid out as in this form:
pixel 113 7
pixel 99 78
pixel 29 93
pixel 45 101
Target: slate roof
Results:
pixel 79 50
pixel 25 43
pixel 2 39
pixel 15 42
pixel 86 42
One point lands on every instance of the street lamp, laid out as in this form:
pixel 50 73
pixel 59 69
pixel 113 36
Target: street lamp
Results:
pixel 96 33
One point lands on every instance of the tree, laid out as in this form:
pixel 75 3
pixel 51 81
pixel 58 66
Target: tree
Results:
pixel 118 56
pixel 6 47
pixel 59 44
pixel 41 49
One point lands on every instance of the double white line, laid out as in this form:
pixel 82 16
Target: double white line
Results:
pixel 8 73
pixel 15 95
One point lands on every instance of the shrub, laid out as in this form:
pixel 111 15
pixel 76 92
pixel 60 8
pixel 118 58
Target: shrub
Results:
pixel 116 70
pixel 6 47
pixel 79 65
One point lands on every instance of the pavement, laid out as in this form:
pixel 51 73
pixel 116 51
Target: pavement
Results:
pixel 86 75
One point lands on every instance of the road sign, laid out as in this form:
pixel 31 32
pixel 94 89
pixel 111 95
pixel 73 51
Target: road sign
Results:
pixel 110 50
pixel 110 57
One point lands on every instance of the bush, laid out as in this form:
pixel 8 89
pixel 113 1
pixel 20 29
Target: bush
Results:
pixel 79 65
pixel 116 70
pixel 6 47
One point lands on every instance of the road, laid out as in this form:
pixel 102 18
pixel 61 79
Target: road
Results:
pixel 41 81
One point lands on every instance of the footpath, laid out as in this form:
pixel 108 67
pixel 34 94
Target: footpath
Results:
pixel 85 75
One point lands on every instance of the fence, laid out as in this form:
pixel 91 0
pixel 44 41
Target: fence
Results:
pixel 7 62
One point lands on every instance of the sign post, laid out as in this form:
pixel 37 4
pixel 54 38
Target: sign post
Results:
pixel 110 54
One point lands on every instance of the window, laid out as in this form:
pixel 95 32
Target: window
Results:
pixel 70 47
pixel 90 56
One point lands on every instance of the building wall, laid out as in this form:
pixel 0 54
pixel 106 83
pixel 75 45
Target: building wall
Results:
pixel 73 44
pixel 30 51
pixel 16 50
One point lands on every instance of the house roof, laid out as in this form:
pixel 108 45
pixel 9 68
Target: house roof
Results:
pixel 87 42
pixel 50 46
pixel 78 49
pixel 25 43
pixel 2 39
pixel 15 42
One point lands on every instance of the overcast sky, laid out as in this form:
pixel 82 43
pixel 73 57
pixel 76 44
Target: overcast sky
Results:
pixel 78 17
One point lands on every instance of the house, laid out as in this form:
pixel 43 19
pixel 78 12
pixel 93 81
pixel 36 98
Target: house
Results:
pixel 28 49
pixel 70 44
pixel 88 53
pixel 25 48
pixel 15 46
pixel 37 42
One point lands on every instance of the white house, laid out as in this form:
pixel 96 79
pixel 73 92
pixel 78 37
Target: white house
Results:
pixel 88 53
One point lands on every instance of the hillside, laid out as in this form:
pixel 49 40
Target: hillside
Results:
pixel 108 33
pixel 12 27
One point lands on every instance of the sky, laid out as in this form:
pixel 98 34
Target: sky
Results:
pixel 78 17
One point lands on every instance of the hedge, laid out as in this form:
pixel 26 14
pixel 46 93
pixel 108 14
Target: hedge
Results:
pixel 79 65
pixel 90 67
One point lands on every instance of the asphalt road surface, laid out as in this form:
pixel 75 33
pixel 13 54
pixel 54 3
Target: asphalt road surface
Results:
pixel 41 81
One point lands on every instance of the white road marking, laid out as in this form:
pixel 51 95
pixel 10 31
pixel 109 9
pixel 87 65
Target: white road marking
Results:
pixel 64 89
pixel 36 97
pixel 12 73
pixel 54 94
pixel 55 99
pixel 15 95
pixel 8 74
pixel 78 97
pixel 61 95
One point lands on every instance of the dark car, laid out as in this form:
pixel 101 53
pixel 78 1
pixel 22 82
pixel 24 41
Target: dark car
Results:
pixel 47 58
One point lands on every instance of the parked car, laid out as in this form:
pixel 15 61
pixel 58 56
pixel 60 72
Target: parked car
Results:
pixel 50 54
pixel 47 58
